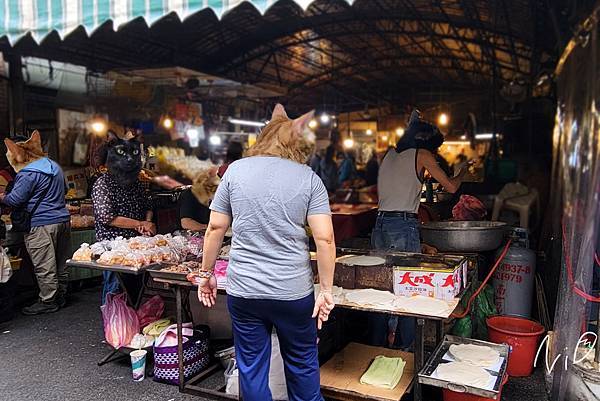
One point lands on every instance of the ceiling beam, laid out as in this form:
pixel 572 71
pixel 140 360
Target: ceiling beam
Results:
pixel 260 52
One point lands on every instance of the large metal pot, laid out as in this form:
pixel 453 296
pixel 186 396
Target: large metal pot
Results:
pixel 464 236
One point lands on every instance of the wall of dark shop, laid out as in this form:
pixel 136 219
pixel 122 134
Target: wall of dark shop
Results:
pixel 4 116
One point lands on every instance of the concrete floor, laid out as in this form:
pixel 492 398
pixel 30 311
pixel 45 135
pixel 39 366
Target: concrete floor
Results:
pixel 53 357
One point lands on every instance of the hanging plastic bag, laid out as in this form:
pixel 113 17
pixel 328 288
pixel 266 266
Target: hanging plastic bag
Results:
pixel 150 311
pixel 463 327
pixel 484 307
pixel 120 321
pixel 80 149
pixel 277 382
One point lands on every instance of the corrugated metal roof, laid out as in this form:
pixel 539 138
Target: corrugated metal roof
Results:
pixel 369 51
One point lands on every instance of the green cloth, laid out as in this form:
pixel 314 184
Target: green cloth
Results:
pixel 384 372
pixel 154 329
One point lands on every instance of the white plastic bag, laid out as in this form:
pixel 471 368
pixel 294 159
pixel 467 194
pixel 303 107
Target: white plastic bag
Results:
pixel 276 374
pixel 5 268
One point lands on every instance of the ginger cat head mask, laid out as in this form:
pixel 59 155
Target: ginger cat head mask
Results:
pixel 205 185
pixel 284 137
pixel 20 154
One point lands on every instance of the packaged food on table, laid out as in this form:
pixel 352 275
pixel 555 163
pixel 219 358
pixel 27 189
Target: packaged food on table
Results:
pixel 164 254
pixel 225 251
pixel 178 242
pixel 195 245
pixel 177 257
pixel 73 209
pixel 161 240
pixel 154 255
pixel 192 264
pixel 183 267
pixel 175 269
pixel 99 248
pixel 83 254
pixel 140 243
pixel 111 258
pixel 140 251
pixel 135 259
pixel 117 243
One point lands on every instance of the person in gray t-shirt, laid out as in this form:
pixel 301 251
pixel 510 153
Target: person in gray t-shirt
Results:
pixel 268 198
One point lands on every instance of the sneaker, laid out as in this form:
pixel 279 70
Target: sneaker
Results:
pixel 40 307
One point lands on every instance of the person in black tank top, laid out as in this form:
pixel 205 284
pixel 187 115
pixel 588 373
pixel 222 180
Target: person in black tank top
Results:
pixel 399 229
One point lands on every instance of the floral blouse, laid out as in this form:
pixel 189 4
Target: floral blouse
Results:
pixel 112 200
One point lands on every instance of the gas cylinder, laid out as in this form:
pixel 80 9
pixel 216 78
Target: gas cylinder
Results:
pixel 514 280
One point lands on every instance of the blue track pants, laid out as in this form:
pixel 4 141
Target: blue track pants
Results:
pixel 253 321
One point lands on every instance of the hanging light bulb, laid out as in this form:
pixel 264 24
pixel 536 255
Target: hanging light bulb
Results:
pixel 312 124
pixel 399 131
pixel 325 118
pixel 369 132
pixel 98 125
pixel 349 143
pixel 167 122
pixel 384 138
pixel 215 140
pixel 443 119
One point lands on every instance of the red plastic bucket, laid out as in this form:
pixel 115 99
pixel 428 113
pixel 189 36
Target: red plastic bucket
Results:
pixel 450 395
pixel 522 335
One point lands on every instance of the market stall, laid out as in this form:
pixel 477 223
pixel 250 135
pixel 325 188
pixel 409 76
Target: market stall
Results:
pixel 133 258
pixel 367 288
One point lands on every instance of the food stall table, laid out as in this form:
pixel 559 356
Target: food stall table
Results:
pixel 116 353
pixel 351 220
pixel 179 286
pixel 182 288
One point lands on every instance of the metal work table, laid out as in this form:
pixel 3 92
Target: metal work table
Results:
pixel 179 286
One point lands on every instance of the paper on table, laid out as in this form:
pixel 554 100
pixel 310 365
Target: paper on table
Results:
pixel 360 260
pixel 337 292
pixel 494 368
pixel 461 378
pixel 385 300
pixel 370 297
pixel 419 304
pixel 479 355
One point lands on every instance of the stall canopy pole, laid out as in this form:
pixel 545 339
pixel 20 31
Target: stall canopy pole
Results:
pixel 16 99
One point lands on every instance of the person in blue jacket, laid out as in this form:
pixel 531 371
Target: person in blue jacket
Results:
pixel 347 168
pixel 48 240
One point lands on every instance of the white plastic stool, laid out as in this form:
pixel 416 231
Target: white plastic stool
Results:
pixel 523 205
pixel 518 198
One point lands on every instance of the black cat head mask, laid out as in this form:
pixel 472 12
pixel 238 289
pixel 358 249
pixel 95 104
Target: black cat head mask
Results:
pixel 420 134
pixel 124 157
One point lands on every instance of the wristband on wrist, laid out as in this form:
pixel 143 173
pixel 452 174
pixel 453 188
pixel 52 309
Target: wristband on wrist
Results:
pixel 204 274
